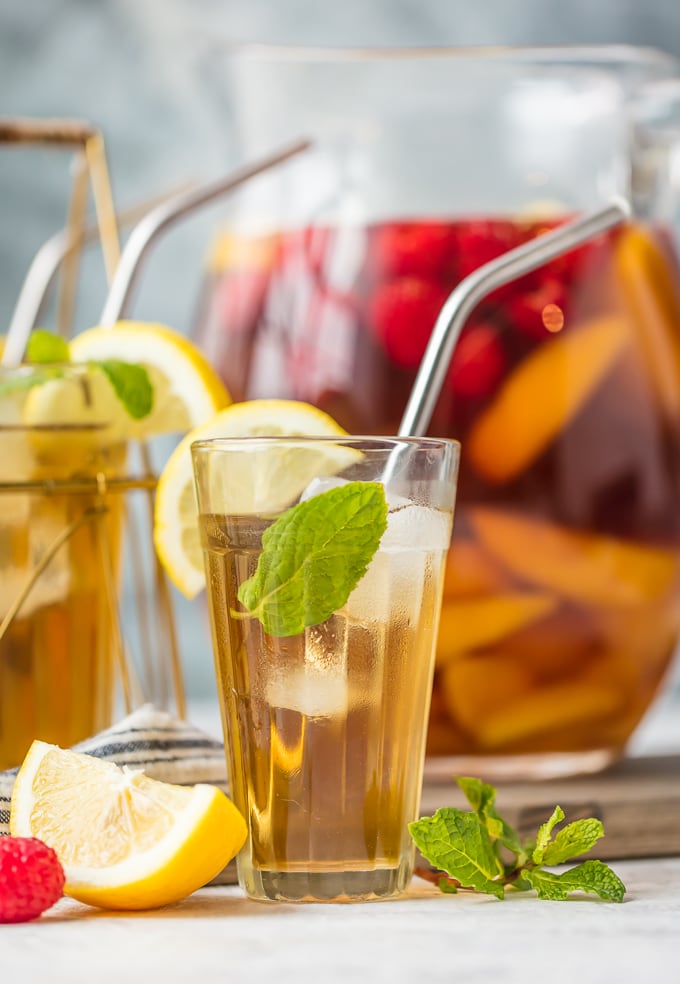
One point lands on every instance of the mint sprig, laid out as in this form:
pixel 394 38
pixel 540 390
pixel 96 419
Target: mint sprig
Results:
pixel 44 347
pixel 467 849
pixel 313 556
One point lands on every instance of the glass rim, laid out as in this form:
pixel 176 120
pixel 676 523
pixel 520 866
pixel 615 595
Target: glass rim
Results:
pixel 379 442
pixel 561 54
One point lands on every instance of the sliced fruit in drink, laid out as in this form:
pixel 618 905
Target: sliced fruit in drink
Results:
pixel 472 570
pixel 477 688
pixel 473 623
pixel 125 841
pixel 541 396
pixel 643 278
pixel 496 700
pixel 261 484
pixel 585 567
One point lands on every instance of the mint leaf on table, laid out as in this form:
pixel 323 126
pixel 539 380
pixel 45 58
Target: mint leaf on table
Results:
pixel 131 384
pixel 593 877
pixel 465 848
pixel 545 834
pixel 482 798
pixel 44 347
pixel 313 556
pixel 574 839
pixel 458 843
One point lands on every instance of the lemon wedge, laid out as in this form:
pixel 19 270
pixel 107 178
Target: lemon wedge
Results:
pixel 262 483
pixel 125 841
pixel 186 389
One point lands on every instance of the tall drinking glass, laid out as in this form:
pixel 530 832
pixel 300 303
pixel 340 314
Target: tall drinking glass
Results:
pixel 85 623
pixel 61 524
pixel 324 565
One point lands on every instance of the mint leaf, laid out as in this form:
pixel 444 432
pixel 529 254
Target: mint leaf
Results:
pixel 458 843
pixel 594 877
pixel 44 346
pixel 482 798
pixel 576 838
pixel 544 835
pixel 131 384
pixel 313 556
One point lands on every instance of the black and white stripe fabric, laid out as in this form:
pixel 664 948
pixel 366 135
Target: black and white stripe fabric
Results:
pixel 164 747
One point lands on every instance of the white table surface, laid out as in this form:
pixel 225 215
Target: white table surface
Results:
pixel 219 935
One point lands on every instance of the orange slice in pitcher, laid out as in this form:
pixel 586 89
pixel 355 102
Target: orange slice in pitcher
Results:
pixel 496 701
pixel 584 567
pixel 648 286
pixel 471 570
pixel 541 396
pixel 473 623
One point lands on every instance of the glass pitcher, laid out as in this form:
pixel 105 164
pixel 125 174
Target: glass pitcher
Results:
pixel 562 600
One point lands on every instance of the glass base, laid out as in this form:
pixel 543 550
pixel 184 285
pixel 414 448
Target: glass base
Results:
pixel 515 768
pixel 324 885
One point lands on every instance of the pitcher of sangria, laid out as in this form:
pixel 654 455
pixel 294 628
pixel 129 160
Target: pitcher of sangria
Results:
pixel 562 599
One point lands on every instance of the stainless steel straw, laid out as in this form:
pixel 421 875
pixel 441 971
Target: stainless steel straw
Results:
pixel 469 292
pixel 166 215
pixel 44 269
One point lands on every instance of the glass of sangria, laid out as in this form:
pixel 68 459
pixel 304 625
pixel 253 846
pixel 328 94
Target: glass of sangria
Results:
pixel 561 605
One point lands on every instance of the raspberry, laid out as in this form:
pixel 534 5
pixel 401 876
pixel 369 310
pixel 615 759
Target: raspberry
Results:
pixel 411 249
pixel 402 314
pixel 31 878
pixel 482 240
pixel 478 362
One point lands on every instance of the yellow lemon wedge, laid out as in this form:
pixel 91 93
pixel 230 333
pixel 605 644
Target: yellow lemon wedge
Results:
pixel 261 483
pixel 125 841
pixel 186 389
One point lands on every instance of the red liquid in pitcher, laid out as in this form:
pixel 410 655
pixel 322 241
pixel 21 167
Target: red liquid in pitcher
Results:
pixel 562 601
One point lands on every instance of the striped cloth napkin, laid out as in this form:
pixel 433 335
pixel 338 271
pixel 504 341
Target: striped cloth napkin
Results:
pixel 166 748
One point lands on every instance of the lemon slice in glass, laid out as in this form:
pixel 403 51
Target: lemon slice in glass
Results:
pixel 125 841
pixel 186 389
pixel 261 484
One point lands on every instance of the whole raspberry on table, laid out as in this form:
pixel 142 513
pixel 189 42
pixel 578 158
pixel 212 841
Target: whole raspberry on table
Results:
pixel 31 878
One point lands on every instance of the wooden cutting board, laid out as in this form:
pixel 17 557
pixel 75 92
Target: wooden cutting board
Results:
pixel 637 800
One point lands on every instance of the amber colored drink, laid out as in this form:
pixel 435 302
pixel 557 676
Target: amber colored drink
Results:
pixel 562 596
pixel 60 539
pixel 325 730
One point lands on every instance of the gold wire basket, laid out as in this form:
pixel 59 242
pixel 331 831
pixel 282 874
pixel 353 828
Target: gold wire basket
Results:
pixel 75 518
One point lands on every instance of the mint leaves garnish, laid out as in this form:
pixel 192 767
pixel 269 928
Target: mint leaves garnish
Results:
pixel 467 847
pixel 130 382
pixel 44 347
pixel 313 556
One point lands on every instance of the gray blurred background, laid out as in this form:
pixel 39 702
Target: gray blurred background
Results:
pixel 149 73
